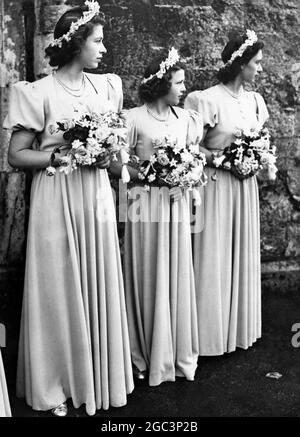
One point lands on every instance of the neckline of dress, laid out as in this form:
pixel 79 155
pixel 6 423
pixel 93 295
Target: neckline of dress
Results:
pixel 75 93
pixel 156 117
pixel 231 93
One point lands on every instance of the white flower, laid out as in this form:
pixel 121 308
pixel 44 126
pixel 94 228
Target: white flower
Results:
pixel 186 156
pixel 69 124
pixel 76 144
pixel 272 170
pixel 151 178
pixel 227 165
pixel 218 160
pixel 194 148
pixel 238 141
pixel 141 176
pixel 50 171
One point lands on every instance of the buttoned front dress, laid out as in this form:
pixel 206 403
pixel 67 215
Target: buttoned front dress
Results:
pixel 227 251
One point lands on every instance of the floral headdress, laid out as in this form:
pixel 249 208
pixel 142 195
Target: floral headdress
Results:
pixel 172 59
pixel 251 39
pixel 93 10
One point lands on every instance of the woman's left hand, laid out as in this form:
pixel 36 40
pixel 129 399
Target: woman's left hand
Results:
pixel 103 161
pixel 175 194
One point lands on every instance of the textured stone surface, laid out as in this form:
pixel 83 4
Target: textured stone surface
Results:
pixel 137 29
pixel 12 184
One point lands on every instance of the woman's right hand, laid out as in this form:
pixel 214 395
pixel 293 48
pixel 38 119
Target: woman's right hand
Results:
pixel 175 194
pixel 103 161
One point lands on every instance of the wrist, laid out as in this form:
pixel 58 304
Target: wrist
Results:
pixel 53 162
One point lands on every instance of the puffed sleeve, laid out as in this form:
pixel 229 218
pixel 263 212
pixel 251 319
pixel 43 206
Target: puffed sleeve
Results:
pixel 262 110
pixel 203 103
pixel 195 127
pixel 26 108
pixel 115 90
pixel 132 129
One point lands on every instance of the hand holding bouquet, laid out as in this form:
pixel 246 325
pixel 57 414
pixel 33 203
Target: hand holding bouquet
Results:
pixel 248 154
pixel 173 165
pixel 93 137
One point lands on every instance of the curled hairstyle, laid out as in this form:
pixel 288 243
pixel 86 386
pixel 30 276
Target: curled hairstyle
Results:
pixel 156 88
pixel 60 56
pixel 230 72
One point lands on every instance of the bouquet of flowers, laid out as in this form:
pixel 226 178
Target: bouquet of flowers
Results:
pixel 248 154
pixel 173 165
pixel 92 136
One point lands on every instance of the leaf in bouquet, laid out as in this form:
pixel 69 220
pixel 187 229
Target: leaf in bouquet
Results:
pixel 60 125
pixel 80 133
pixel 68 136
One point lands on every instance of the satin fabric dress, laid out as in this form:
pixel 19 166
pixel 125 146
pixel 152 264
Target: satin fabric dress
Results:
pixel 5 410
pixel 227 251
pixel 158 269
pixel 74 337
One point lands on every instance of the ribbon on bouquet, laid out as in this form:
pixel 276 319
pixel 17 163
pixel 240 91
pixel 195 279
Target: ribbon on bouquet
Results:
pixel 124 160
pixel 196 196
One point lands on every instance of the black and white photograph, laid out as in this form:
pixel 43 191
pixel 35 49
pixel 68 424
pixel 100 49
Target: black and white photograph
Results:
pixel 149 212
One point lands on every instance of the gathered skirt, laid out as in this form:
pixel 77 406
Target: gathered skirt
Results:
pixel 4 400
pixel 227 265
pixel 159 286
pixel 74 336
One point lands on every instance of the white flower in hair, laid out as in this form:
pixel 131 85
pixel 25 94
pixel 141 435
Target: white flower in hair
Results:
pixel 251 39
pixel 172 59
pixel 93 10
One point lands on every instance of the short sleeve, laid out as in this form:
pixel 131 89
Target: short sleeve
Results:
pixel 201 102
pixel 26 108
pixel 115 90
pixel 195 127
pixel 132 129
pixel 262 110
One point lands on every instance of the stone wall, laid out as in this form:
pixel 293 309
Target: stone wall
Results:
pixel 136 30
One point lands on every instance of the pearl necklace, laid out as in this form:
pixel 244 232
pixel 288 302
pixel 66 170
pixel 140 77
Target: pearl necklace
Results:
pixel 156 116
pixel 74 92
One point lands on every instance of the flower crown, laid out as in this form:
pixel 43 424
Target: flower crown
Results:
pixel 93 10
pixel 172 59
pixel 251 39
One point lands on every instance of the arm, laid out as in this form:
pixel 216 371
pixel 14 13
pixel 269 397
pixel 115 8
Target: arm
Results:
pixel 208 154
pixel 21 155
pixel 206 110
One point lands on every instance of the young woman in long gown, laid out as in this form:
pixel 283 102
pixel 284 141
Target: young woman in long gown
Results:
pixel 5 410
pixel 158 270
pixel 74 337
pixel 227 251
